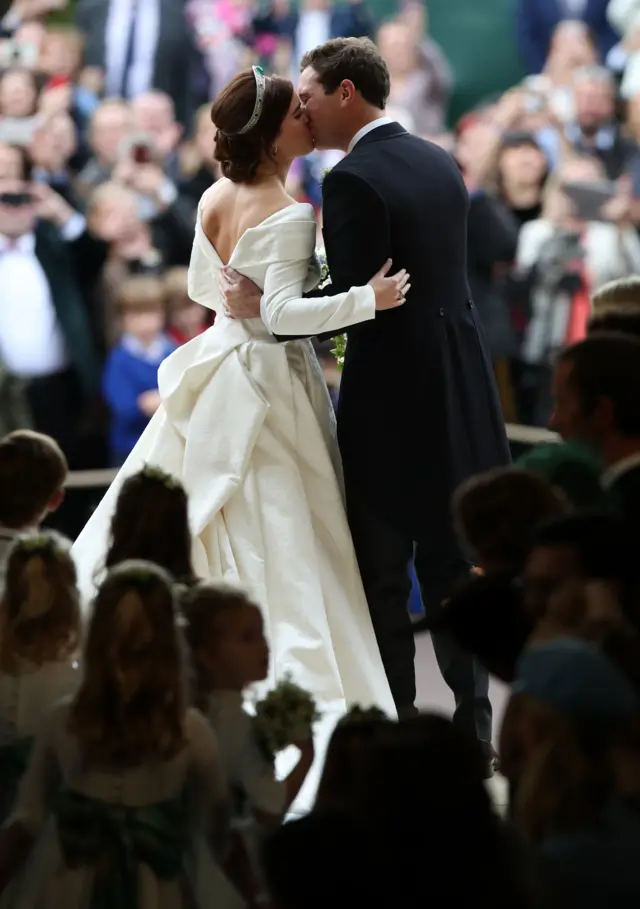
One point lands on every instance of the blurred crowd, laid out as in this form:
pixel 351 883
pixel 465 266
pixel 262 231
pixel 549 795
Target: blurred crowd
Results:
pixel 106 148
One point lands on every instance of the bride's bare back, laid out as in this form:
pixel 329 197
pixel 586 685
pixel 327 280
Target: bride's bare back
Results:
pixel 230 209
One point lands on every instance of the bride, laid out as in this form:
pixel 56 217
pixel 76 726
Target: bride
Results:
pixel 247 423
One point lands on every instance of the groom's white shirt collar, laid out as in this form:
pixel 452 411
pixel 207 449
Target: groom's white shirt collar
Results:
pixel 381 121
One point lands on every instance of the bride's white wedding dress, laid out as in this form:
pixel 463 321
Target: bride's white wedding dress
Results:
pixel 248 427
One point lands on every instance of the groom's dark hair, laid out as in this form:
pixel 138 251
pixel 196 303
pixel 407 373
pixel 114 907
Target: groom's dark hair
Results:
pixel 355 59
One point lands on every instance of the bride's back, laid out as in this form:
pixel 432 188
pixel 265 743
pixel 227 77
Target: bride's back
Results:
pixel 230 209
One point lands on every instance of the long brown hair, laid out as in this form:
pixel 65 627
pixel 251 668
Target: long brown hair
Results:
pixel 348 746
pixel 565 779
pixel 130 706
pixel 151 522
pixel 40 607
pixel 205 608
pixel 241 153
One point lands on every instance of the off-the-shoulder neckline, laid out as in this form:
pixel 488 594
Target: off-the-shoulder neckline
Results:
pixel 272 217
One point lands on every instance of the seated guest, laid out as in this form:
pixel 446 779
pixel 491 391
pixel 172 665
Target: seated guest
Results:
pixel 497 513
pixel 580 547
pixel 616 307
pixel 488 619
pixel 130 383
pixel 570 708
pixel 597 401
pixel 572 469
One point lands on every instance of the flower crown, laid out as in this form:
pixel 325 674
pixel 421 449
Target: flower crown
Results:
pixel 157 473
pixel 38 543
pixel 138 572
pixel 357 714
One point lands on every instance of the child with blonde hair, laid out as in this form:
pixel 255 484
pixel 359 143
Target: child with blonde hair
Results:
pixel 229 652
pixel 225 633
pixel 39 639
pixel 133 774
pixel 130 381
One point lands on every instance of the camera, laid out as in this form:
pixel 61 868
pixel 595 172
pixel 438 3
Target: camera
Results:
pixel 15 200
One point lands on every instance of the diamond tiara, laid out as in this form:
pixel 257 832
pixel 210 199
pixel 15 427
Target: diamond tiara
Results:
pixel 261 84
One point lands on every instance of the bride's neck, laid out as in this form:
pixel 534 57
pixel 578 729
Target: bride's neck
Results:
pixel 267 174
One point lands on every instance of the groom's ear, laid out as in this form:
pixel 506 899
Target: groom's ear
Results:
pixel 347 91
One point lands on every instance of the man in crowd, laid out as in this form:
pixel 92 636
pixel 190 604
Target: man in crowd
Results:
pixel 596 390
pixel 594 130
pixel 143 45
pixel 45 333
pixel 537 20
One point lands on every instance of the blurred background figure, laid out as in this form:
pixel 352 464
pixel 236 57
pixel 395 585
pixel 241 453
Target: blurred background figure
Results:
pixel 536 21
pixel 420 76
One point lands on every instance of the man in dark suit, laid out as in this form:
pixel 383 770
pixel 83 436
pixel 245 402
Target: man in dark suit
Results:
pixel 48 262
pixel 597 400
pixel 423 364
pixel 536 21
pixel 142 45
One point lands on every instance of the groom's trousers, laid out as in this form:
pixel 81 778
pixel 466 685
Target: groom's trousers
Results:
pixel 384 553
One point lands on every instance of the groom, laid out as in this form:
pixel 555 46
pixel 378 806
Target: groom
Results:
pixel 418 410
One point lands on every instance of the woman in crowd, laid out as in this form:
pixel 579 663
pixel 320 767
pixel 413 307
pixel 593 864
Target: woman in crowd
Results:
pixel 570 709
pixel 565 258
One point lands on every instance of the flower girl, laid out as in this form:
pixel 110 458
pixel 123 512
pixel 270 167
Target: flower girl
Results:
pixel 151 522
pixel 130 774
pixel 39 637
pixel 225 633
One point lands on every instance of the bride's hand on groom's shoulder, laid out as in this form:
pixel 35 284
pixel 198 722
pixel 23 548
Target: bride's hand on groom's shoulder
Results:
pixel 390 291
pixel 241 296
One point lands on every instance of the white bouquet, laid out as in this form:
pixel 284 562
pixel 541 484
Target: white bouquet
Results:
pixel 284 717
pixel 325 278
pixel 321 259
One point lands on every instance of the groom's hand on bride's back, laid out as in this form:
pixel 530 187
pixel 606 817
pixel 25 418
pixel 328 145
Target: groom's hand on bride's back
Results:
pixel 241 296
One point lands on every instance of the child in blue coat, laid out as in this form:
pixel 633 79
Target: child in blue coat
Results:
pixel 130 381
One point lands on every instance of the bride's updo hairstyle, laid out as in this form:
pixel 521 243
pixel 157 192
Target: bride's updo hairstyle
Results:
pixel 248 114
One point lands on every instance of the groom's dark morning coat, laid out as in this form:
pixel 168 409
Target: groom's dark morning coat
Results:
pixel 418 408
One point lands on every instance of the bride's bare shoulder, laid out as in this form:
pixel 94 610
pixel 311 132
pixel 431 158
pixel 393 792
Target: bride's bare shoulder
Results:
pixel 240 207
